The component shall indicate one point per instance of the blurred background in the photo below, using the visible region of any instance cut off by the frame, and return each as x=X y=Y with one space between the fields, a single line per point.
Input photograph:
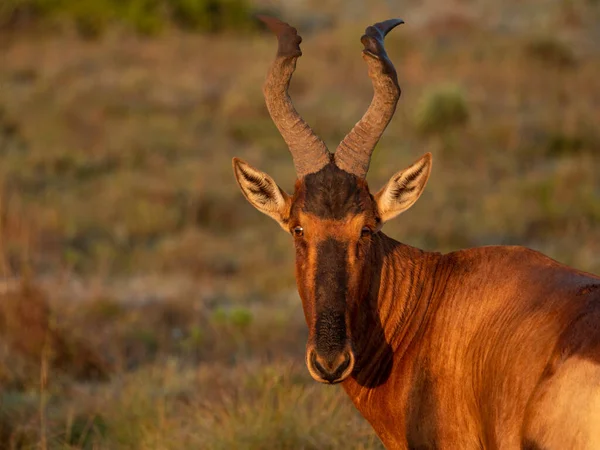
x=144 y=304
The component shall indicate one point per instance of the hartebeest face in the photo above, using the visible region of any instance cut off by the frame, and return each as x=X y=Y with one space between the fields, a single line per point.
x=332 y=216
x=333 y=219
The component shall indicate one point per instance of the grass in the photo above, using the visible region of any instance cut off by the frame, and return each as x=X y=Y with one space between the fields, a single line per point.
x=177 y=378
x=165 y=305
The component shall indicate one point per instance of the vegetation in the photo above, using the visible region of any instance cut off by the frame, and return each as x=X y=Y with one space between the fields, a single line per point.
x=92 y=17
x=145 y=305
x=551 y=52
x=441 y=108
x=160 y=379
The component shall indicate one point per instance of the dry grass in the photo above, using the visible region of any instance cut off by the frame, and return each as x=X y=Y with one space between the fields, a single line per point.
x=31 y=338
x=180 y=378
x=163 y=306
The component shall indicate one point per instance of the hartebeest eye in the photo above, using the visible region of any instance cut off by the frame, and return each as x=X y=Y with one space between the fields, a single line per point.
x=365 y=232
x=298 y=231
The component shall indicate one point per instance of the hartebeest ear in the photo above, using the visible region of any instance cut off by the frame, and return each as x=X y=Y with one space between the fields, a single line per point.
x=403 y=189
x=262 y=192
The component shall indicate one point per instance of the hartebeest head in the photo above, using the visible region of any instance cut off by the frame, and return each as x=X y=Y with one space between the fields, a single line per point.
x=332 y=215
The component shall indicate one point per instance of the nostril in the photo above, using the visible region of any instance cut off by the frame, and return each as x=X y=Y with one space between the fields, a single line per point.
x=344 y=364
x=314 y=360
x=320 y=369
x=330 y=368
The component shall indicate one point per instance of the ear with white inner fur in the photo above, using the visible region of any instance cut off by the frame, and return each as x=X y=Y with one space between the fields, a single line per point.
x=262 y=192
x=403 y=189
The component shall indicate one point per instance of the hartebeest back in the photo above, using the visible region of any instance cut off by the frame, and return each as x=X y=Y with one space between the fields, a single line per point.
x=493 y=347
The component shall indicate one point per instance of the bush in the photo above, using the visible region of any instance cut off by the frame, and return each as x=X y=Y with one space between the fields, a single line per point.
x=441 y=108
x=238 y=317
x=561 y=144
x=148 y=17
x=144 y=16
x=210 y=15
x=91 y=18
x=550 y=52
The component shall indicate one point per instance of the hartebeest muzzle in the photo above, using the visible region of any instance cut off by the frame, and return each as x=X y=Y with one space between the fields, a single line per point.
x=329 y=353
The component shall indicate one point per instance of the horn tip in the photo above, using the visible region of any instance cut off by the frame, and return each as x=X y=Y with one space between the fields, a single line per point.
x=268 y=20
x=277 y=26
x=381 y=29
x=287 y=36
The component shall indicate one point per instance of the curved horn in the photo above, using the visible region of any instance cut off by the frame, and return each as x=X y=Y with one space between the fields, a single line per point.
x=308 y=151
x=354 y=152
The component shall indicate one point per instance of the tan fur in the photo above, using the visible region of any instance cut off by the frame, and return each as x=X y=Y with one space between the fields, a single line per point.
x=317 y=229
x=565 y=409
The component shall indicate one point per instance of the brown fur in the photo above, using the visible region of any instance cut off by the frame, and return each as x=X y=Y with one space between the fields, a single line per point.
x=487 y=356
x=486 y=348
x=492 y=347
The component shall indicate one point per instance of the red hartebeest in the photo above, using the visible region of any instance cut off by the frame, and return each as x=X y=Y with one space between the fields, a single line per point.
x=493 y=347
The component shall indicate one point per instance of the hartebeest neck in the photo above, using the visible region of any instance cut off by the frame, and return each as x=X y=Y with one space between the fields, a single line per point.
x=389 y=320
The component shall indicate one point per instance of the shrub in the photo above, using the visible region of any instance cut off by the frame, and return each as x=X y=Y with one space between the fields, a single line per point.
x=211 y=15
x=148 y=17
x=560 y=144
x=238 y=317
x=441 y=108
x=91 y=18
x=582 y=140
x=550 y=52
x=144 y=16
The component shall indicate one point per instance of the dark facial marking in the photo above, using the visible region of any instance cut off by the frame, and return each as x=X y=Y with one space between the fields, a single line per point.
x=331 y=282
x=330 y=332
x=332 y=193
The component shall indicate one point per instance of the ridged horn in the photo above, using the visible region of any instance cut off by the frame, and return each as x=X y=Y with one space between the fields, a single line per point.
x=354 y=152
x=308 y=151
